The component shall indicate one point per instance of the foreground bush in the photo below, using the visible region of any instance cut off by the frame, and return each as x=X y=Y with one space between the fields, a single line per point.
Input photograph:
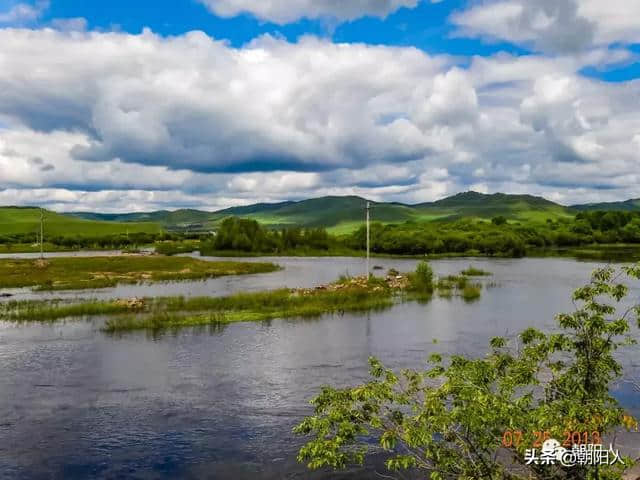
x=422 y=279
x=448 y=421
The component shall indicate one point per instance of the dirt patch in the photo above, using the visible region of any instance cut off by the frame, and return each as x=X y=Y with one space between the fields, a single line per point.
x=393 y=282
x=134 y=303
x=41 y=263
x=103 y=274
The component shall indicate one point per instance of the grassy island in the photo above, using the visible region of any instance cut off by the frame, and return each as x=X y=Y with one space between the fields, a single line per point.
x=97 y=272
x=348 y=294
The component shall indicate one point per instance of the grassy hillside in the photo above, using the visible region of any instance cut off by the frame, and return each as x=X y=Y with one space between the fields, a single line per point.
x=513 y=207
x=27 y=220
x=335 y=213
x=183 y=219
x=339 y=215
x=627 y=206
x=342 y=215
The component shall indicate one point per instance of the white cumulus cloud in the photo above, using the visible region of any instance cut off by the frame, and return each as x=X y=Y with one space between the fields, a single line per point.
x=553 y=25
x=287 y=11
x=138 y=122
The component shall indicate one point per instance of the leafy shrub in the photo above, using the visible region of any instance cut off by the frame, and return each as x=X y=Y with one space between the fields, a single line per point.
x=447 y=421
x=422 y=279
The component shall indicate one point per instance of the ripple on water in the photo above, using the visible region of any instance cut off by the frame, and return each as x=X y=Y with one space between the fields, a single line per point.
x=76 y=403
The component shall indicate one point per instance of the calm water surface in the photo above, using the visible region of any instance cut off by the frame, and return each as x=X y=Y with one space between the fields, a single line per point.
x=220 y=403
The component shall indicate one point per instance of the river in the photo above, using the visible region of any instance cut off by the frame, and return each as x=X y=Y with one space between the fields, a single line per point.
x=76 y=403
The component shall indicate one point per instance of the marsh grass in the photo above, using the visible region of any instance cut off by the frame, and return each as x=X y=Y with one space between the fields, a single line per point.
x=176 y=247
x=161 y=321
x=251 y=307
x=166 y=313
x=459 y=285
x=99 y=272
x=445 y=292
x=471 y=292
x=475 y=272
x=421 y=281
x=46 y=311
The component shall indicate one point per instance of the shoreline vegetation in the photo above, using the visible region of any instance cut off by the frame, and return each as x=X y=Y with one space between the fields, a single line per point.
x=65 y=273
x=347 y=294
x=603 y=252
x=600 y=235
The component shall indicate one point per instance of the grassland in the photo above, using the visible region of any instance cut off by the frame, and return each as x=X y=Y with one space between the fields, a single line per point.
x=16 y=220
x=98 y=272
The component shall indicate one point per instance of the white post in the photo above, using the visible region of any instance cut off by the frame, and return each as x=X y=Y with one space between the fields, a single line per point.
x=368 y=241
x=41 y=233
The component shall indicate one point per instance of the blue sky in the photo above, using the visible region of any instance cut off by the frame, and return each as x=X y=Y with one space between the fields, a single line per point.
x=425 y=26
x=120 y=106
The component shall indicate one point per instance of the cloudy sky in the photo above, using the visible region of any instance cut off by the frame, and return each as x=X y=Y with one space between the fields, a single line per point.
x=130 y=106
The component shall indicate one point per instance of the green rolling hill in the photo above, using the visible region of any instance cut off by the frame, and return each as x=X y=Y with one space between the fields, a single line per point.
x=27 y=220
x=513 y=207
x=183 y=219
x=345 y=214
x=338 y=214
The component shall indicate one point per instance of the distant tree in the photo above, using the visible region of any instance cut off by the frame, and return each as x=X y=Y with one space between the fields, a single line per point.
x=499 y=220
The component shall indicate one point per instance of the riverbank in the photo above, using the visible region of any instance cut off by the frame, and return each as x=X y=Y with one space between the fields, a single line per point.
x=603 y=252
x=63 y=273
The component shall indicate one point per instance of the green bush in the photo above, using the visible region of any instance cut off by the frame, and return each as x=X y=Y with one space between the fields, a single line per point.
x=422 y=279
x=447 y=421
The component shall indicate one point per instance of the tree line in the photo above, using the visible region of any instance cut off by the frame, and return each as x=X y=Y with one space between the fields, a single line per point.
x=498 y=237
x=244 y=235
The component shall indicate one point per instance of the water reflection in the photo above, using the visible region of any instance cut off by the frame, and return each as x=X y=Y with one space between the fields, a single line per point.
x=211 y=402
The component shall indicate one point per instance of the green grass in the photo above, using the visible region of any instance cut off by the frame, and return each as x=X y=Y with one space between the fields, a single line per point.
x=603 y=252
x=458 y=285
x=49 y=311
x=176 y=247
x=346 y=227
x=33 y=248
x=97 y=272
x=15 y=220
x=471 y=293
x=252 y=307
x=475 y=272
x=171 y=312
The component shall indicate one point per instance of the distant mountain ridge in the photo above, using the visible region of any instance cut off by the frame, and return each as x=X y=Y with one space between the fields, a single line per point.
x=341 y=214
x=627 y=205
x=493 y=199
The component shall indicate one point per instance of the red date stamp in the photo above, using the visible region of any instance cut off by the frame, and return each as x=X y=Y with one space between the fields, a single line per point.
x=514 y=438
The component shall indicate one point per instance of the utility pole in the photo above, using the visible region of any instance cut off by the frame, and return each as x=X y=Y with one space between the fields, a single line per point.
x=368 y=240
x=41 y=233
